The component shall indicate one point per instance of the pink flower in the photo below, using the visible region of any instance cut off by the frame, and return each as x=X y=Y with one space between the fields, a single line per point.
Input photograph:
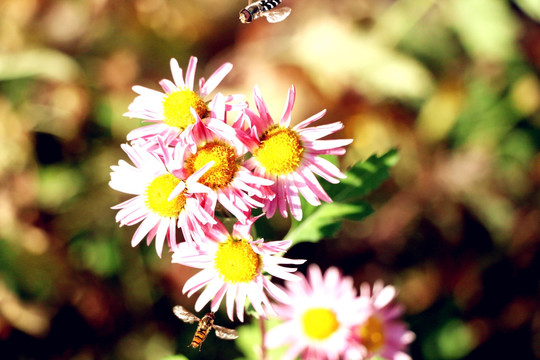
x=171 y=112
x=234 y=186
x=317 y=321
x=379 y=331
x=290 y=156
x=233 y=266
x=152 y=180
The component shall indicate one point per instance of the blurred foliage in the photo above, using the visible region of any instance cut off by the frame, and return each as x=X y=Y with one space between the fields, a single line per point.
x=453 y=85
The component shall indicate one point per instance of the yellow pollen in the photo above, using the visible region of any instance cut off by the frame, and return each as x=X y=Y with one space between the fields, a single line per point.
x=158 y=192
x=280 y=151
x=236 y=261
x=319 y=323
x=372 y=334
x=225 y=167
x=176 y=108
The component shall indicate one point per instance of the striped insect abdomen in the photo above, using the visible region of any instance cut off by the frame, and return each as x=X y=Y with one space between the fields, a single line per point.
x=269 y=4
x=204 y=327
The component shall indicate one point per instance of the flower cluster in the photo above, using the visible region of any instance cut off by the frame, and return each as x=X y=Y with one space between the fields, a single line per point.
x=191 y=164
x=326 y=319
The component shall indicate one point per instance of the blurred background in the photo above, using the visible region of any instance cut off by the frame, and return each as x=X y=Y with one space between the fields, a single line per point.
x=453 y=84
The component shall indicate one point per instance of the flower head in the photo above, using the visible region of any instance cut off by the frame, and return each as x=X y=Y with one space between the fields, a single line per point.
x=235 y=187
x=290 y=156
x=379 y=331
x=172 y=112
x=318 y=319
x=233 y=266
x=152 y=180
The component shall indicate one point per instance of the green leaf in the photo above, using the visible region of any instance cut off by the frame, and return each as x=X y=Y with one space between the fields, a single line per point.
x=364 y=177
x=327 y=220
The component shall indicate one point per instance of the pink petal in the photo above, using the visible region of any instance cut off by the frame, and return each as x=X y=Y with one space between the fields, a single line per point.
x=325 y=169
x=317 y=132
x=198 y=280
x=168 y=86
x=143 y=229
x=281 y=272
x=141 y=90
x=177 y=190
x=161 y=234
x=254 y=294
x=289 y=103
x=231 y=295
x=190 y=72
x=276 y=246
x=310 y=120
x=240 y=301
x=281 y=197
x=208 y=293
x=294 y=200
x=276 y=292
x=146 y=131
x=215 y=79
x=261 y=107
x=216 y=301
x=304 y=189
x=313 y=184
x=242 y=229
x=321 y=145
x=199 y=173
x=387 y=294
x=172 y=235
x=177 y=74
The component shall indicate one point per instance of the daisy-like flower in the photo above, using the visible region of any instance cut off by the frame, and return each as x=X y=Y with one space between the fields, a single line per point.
x=317 y=321
x=290 y=156
x=152 y=180
x=233 y=266
x=234 y=185
x=380 y=332
x=171 y=112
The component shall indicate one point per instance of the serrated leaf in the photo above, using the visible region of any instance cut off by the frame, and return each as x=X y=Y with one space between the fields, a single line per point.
x=364 y=177
x=326 y=220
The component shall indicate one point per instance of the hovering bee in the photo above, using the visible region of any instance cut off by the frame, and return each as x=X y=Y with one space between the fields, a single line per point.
x=264 y=8
x=205 y=325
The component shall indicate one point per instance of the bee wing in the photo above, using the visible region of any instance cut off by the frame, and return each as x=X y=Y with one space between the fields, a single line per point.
x=277 y=15
x=225 y=333
x=184 y=315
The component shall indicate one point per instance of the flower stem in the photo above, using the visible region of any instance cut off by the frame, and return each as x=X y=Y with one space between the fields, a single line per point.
x=263 y=331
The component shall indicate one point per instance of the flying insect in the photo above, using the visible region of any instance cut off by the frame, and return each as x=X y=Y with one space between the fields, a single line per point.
x=264 y=8
x=205 y=325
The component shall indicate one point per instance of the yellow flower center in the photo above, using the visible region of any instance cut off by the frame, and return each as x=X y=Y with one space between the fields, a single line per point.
x=236 y=261
x=176 y=108
x=319 y=323
x=280 y=151
x=372 y=334
x=222 y=173
x=158 y=192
